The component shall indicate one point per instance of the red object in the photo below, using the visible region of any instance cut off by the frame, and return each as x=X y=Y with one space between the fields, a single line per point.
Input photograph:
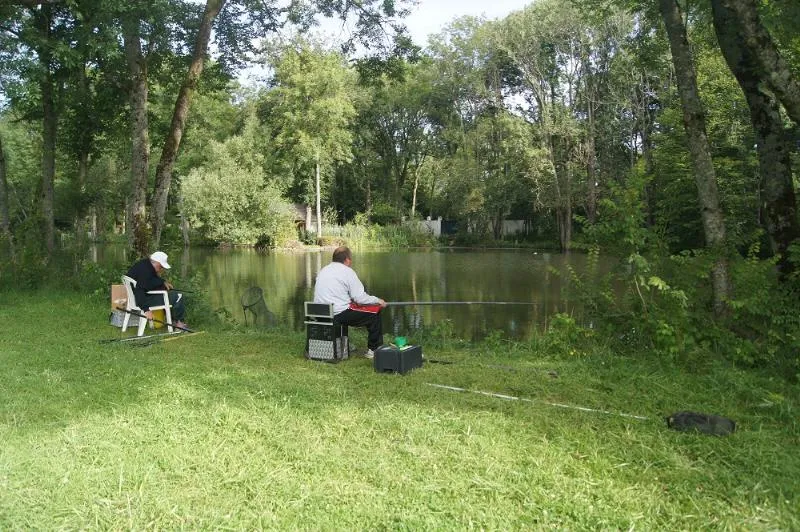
x=372 y=309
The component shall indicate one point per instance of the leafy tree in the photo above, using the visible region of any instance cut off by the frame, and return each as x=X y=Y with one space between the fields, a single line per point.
x=398 y=119
x=38 y=28
x=545 y=41
x=766 y=80
x=229 y=198
x=172 y=142
x=511 y=164
x=311 y=111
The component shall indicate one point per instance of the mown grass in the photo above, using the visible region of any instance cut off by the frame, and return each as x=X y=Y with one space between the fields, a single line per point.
x=235 y=430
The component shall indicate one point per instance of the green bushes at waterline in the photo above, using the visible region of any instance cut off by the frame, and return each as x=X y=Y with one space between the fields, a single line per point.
x=359 y=235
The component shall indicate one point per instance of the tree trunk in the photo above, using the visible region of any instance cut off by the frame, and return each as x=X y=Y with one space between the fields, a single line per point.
x=771 y=66
x=773 y=142
x=414 y=194
x=173 y=141
x=591 y=169
x=81 y=221
x=694 y=122
x=5 y=219
x=565 y=226
x=368 y=197
x=49 y=124
x=649 y=190
x=93 y=223
x=43 y=18
x=84 y=148
x=184 y=222
x=138 y=237
x=319 y=203
x=430 y=197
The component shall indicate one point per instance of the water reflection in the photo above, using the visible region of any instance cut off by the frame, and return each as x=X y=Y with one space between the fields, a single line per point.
x=287 y=280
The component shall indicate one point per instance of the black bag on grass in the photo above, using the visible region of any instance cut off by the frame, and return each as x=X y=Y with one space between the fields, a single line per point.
x=703 y=423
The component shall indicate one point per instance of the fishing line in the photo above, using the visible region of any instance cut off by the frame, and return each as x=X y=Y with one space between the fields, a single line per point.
x=515 y=398
x=411 y=303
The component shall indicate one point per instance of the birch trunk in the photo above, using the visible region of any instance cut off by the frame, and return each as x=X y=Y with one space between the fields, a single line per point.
x=694 y=122
x=414 y=194
x=319 y=203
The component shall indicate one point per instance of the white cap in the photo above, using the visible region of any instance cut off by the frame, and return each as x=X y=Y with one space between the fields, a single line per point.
x=161 y=258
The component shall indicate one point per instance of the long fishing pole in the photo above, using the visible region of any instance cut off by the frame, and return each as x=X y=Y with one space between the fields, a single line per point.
x=132 y=338
x=410 y=303
x=151 y=338
x=155 y=320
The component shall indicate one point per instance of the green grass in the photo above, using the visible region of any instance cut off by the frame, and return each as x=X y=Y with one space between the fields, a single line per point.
x=235 y=430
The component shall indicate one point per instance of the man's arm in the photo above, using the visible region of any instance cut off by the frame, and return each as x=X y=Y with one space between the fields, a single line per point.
x=358 y=294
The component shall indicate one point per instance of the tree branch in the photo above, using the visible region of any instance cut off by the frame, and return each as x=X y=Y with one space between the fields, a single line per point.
x=772 y=65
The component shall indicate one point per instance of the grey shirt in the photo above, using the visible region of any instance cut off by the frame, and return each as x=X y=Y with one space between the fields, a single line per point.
x=339 y=284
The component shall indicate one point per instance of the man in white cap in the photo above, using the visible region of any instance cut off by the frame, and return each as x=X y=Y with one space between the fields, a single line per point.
x=146 y=274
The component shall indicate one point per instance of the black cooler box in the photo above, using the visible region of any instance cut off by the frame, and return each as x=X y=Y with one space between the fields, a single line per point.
x=397 y=360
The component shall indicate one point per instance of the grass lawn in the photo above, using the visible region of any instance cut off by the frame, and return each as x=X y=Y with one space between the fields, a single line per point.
x=235 y=430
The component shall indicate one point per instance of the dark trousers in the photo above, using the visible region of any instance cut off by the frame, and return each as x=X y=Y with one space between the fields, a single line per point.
x=372 y=321
x=178 y=310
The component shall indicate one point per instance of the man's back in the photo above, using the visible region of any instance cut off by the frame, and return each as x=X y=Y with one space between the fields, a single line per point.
x=334 y=285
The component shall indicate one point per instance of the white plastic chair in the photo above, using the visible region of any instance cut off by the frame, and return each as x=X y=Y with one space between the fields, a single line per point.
x=131 y=306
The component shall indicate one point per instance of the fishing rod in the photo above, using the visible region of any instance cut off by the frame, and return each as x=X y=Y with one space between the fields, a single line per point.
x=132 y=313
x=151 y=338
x=132 y=338
x=410 y=303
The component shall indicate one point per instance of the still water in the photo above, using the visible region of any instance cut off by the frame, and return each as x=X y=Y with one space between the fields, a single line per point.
x=287 y=280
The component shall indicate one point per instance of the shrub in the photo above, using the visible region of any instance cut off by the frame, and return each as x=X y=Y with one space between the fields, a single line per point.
x=233 y=204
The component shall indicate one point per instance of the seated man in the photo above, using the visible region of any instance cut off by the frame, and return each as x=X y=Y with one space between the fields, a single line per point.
x=338 y=284
x=146 y=274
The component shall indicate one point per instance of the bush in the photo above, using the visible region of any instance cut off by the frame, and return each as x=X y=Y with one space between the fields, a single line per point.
x=384 y=214
x=231 y=204
x=364 y=235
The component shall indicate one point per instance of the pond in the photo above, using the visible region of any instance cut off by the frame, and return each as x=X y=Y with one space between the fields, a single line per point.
x=287 y=279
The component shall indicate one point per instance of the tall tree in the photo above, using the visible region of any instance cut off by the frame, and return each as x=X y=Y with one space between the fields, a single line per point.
x=43 y=20
x=694 y=122
x=762 y=75
x=5 y=221
x=398 y=116
x=138 y=233
x=767 y=60
x=544 y=41
x=312 y=108
x=172 y=143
